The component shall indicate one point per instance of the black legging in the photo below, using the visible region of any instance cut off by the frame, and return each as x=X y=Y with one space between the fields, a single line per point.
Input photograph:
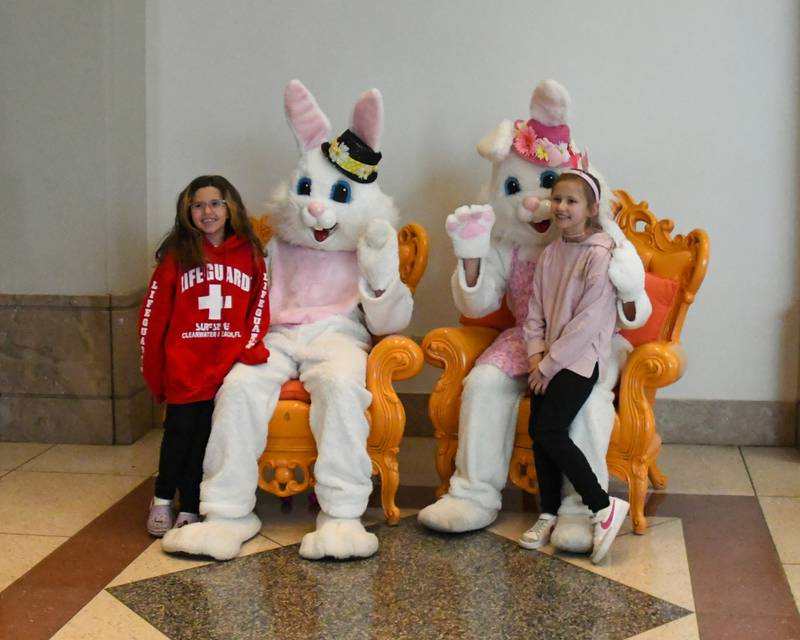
x=180 y=466
x=554 y=452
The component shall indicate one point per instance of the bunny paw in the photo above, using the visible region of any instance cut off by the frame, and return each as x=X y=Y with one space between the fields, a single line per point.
x=378 y=255
x=469 y=228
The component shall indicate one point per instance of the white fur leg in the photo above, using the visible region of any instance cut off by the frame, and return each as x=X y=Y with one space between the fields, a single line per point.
x=489 y=406
x=339 y=538
x=456 y=515
x=220 y=538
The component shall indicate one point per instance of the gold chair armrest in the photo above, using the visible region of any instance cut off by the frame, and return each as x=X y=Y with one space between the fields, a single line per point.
x=393 y=358
x=455 y=350
x=649 y=367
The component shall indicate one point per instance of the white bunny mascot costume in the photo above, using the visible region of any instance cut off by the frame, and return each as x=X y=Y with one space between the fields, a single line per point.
x=505 y=238
x=333 y=264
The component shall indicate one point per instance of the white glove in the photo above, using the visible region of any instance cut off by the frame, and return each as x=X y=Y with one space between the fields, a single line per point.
x=378 y=255
x=470 y=229
x=626 y=272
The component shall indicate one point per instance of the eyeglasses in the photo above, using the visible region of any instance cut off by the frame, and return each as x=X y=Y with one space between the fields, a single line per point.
x=199 y=207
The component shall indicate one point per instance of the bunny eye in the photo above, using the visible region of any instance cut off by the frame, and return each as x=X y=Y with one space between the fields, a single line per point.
x=340 y=191
x=547 y=179
x=304 y=186
x=512 y=186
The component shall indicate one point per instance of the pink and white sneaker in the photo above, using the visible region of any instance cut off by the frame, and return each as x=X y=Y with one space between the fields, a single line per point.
x=607 y=523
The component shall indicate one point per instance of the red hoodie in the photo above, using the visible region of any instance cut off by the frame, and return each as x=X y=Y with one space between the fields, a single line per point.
x=194 y=325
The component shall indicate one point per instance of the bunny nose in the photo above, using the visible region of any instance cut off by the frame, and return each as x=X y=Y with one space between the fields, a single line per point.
x=531 y=203
x=316 y=208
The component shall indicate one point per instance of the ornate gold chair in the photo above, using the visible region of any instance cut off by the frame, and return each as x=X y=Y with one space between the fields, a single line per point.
x=658 y=362
x=285 y=466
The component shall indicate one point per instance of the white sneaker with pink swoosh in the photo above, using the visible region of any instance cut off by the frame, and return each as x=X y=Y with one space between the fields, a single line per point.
x=607 y=523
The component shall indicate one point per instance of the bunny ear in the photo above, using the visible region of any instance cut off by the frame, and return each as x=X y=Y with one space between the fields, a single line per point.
x=550 y=103
x=496 y=145
x=585 y=160
x=309 y=125
x=368 y=118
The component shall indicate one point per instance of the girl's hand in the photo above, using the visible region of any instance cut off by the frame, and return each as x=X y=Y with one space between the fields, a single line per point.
x=537 y=382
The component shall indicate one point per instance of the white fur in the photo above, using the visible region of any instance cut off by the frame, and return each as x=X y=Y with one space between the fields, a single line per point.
x=338 y=538
x=219 y=538
x=497 y=143
x=483 y=454
x=627 y=272
x=292 y=222
x=329 y=356
x=550 y=103
x=378 y=255
x=456 y=515
x=478 y=216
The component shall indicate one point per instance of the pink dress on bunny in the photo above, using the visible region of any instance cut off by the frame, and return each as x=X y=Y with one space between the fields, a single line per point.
x=508 y=352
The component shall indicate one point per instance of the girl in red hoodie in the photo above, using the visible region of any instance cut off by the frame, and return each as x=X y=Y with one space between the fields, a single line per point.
x=206 y=308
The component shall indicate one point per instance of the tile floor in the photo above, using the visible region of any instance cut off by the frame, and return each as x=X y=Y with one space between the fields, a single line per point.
x=49 y=493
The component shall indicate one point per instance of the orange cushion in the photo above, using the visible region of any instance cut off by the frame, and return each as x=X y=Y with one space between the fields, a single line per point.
x=661 y=292
x=294 y=390
x=501 y=319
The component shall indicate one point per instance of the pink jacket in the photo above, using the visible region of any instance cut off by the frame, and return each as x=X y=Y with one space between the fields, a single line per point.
x=572 y=311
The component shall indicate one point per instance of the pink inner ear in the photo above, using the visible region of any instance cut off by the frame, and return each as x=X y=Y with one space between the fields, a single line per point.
x=311 y=127
x=368 y=118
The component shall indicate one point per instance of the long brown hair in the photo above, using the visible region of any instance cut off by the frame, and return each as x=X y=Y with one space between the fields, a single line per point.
x=186 y=240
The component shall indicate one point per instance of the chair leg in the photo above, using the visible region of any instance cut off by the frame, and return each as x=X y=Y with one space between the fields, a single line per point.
x=657 y=477
x=390 y=481
x=445 y=463
x=637 y=492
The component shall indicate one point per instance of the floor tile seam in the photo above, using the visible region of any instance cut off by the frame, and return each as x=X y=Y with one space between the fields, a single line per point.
x=87 y=473
x=35 y=535
x=22 y=464
x=261 y=535
x=665 y=492
x=68 y=536
x=747 y=470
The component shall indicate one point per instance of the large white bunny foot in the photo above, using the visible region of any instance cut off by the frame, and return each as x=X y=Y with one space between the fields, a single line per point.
x=470 y=229
x=456 y=515
x=339 y=538
x=378 y=255
x=573 y=533
x=220 y=538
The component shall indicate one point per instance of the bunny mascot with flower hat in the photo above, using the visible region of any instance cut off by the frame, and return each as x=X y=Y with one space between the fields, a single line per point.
x=333 y=263
x=497 y=245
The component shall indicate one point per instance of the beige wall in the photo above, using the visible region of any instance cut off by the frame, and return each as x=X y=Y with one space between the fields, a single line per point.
x=72 y=147
x=690 y=105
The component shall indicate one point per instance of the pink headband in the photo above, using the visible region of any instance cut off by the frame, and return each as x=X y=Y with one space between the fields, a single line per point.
x=587 y=177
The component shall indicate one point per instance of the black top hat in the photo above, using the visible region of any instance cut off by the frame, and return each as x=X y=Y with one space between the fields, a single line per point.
x=353 y=157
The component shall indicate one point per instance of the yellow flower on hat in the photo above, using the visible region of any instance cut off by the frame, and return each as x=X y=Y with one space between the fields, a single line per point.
x=541 y=152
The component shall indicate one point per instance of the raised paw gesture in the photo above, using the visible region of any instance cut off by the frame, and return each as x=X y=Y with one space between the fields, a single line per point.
x=378 y=255
x=470 y=229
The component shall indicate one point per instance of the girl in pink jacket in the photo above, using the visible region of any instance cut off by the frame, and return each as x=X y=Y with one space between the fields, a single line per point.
x=571 y=318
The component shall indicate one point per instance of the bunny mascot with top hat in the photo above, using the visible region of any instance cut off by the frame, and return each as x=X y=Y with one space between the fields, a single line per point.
x=333 y=265
x=503 y=239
